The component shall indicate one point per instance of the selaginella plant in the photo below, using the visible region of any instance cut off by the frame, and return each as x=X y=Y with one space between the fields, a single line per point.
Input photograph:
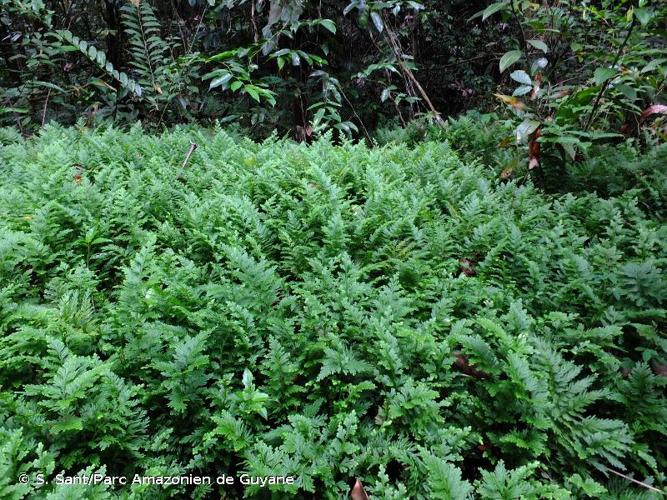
x=394 y=315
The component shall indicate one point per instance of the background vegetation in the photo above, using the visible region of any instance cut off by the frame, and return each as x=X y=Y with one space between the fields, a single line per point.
x=299 y=66
x=570 y=75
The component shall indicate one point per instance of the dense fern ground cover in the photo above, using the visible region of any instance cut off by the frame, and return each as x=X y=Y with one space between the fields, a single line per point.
x=322 y=312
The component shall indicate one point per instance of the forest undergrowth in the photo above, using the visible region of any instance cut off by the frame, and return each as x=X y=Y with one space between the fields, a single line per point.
x=397 y=315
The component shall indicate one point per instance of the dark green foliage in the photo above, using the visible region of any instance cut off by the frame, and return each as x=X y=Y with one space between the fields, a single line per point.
x=608 y=170
x=394 y=314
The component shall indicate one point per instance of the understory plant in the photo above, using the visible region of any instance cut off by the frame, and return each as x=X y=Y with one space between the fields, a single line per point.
x=394 y=315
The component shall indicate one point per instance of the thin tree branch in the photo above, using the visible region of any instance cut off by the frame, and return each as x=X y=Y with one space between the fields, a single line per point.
x=46 y=103
x=191 y=150
x=355 y=114
x=524 y=45
x=408 y=73
x=591 y=115
x=647 y=486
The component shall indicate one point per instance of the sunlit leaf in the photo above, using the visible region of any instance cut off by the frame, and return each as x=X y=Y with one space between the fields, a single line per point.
x=221 y=81
x=511 y=101
x=377 y=21
x=522 y=90
x=526 y=128
x=601 y=75
x=539 y=45
x=509 y=58
x=521 y=76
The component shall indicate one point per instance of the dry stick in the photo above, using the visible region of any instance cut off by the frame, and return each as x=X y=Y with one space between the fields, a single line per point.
x=46 y=103
x=191 y=150
x=524 y=46
x=648 y=486
x=358 y=117
x=606 y=83
x=408 y=86
x=194 y=37
x=398 y=53
x=408 y=72
x=254 y=23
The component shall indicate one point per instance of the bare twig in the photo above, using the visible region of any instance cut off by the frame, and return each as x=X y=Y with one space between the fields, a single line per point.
x=196 y=33
x=591 y=115
x=354 y=111
x=46 y=103
x=254 y=22
x=407 y=72
x=524 y=45
x=191 y=150
x=193 y=146
x=647 y=486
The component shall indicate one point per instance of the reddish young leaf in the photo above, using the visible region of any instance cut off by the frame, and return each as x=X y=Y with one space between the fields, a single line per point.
x=653 y=110
x=358 y=492
x=464 y=365
x=466 y=267
x=536 y=88
x=534 y=150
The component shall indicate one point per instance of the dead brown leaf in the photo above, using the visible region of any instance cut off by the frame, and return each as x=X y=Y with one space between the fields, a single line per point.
x=358 y=492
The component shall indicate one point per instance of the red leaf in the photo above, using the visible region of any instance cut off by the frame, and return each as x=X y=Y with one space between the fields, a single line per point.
x=358 y=492
x=659 y=369
x=534 y=150
x=462 y=363
x=538 y=83
x=653 y=110
x=466 y=267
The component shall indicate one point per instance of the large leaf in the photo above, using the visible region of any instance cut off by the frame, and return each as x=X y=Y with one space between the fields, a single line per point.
x=492 y=9
x=539 y=45
x=627 y=91
x=644 y=15
x=653 y=110
x=252 y=92
x=521 y=76
x=221 y=81
x=509 y=58
x=329 y=24
x=522 y=90
x=526 y=128
x=601 y=75
x=354 y=4
x=653 y=65
x=377 y=21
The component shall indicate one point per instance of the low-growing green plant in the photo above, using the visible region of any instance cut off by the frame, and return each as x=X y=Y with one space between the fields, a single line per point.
x=392 y=314
x=605 y=169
